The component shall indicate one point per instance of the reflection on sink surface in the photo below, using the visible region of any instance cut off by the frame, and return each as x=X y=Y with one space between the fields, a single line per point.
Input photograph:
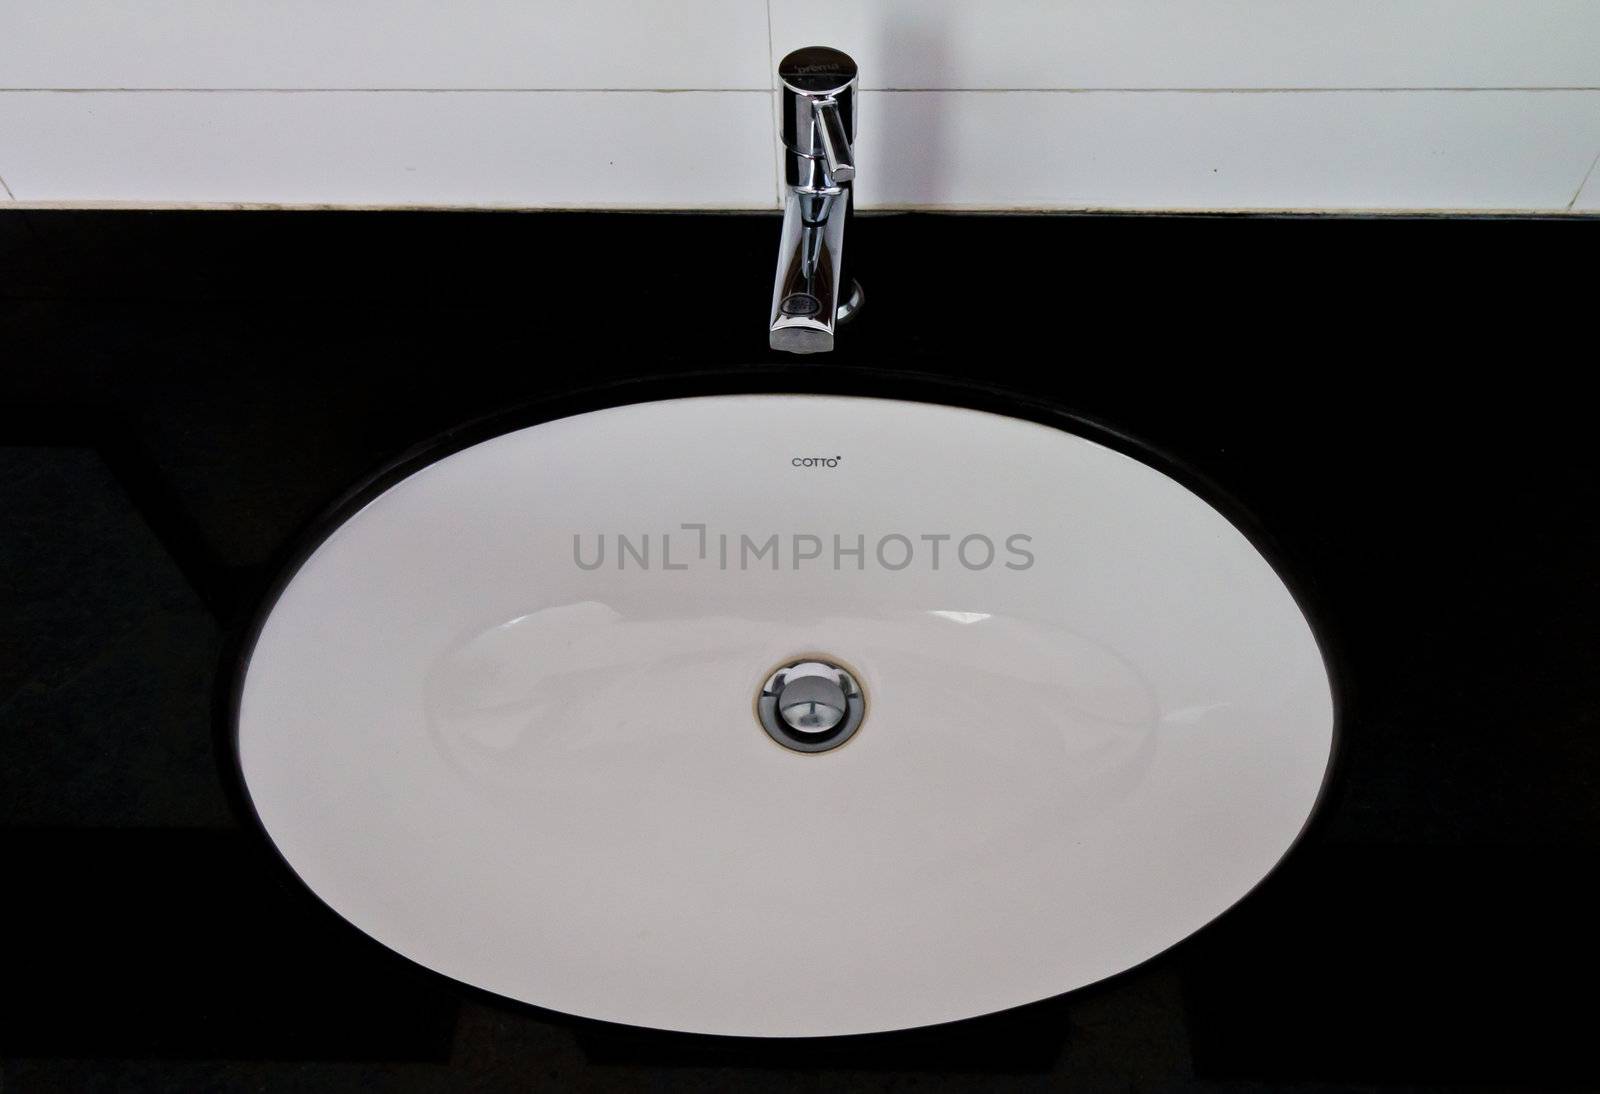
x=570 y=677
x=503 y=718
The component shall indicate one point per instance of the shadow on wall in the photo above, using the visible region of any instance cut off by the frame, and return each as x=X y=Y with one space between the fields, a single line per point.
x=906 y=161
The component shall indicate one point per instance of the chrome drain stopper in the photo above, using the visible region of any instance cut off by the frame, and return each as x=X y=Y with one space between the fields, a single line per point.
x=811 y=705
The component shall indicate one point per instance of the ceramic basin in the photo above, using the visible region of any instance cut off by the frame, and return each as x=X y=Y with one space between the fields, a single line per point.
x=503 y=717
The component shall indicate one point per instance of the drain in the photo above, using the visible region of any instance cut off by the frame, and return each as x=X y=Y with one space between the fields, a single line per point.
x=811 y=705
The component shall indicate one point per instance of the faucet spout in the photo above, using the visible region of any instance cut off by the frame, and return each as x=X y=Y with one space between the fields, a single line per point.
x=805 y=294
x=819 y=131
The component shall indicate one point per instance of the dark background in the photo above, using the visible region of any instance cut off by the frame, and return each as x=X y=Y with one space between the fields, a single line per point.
x=1404 y=406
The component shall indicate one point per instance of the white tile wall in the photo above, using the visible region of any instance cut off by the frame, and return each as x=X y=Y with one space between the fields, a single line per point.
x=1482 y=150
x=564 y=44
x=1194 y=104
x=546 y=149
x=1204 y=43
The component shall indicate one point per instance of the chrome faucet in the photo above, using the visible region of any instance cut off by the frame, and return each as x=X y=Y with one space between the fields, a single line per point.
x=818 y=116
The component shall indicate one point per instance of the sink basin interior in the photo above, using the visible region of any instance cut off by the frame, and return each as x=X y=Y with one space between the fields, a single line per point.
x=502 y=718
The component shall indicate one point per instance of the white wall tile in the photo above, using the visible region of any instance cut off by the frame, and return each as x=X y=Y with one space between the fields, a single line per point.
x=1203 y=43
x=386 y=141
x=570 y=44
x=1226 y=150
x=1520 y=150
x=523 y=149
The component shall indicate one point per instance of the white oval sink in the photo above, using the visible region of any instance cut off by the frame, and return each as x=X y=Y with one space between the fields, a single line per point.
x=1093 y=723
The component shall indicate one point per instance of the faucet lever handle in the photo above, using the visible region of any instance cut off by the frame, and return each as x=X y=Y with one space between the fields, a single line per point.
x=836 y=150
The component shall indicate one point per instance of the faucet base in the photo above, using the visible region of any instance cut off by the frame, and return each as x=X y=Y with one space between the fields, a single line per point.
x=851 y=304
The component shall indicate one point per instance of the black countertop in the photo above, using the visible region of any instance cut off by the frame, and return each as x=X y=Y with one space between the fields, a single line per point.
x=1401 y=405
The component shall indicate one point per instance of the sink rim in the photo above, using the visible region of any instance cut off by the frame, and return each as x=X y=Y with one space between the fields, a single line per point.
x=851 y=382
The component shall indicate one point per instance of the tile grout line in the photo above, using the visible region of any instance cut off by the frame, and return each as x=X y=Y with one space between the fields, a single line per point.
x=1409 y=89
x=1584 y=182
x=382 y=90
x=777 y=122
x=769 y=89
x=1368 y=212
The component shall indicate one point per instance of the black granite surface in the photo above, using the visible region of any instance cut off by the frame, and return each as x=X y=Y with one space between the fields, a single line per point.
x=1401 y=405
